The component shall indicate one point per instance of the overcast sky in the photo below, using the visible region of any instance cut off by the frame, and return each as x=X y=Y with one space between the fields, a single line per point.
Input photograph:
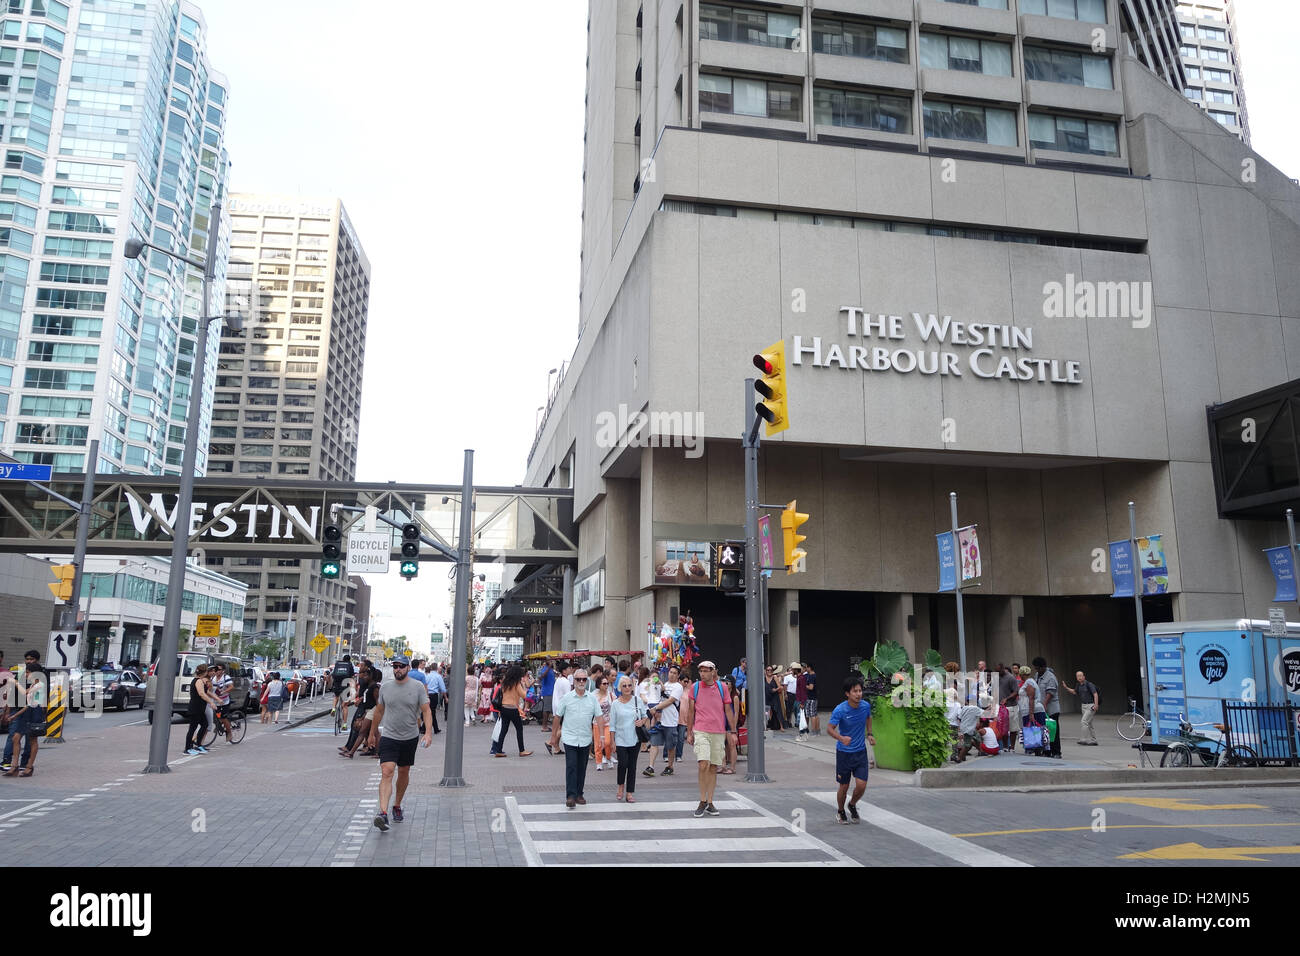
x=453 y=135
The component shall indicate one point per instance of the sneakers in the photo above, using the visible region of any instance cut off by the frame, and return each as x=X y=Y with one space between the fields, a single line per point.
x=648 y=772
x=668 y=771
x=5 y=766
x=398 y=816
x=600 y=766
x=189 y=753
x=201 y=750
x=381 y=821
x=853 y=813
x=711 y=810
x=842 y=817
x=699 y=811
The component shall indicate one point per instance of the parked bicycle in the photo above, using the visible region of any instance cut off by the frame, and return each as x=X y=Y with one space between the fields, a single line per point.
x=1208 y=748
x=218 y=729
x=1132 y=725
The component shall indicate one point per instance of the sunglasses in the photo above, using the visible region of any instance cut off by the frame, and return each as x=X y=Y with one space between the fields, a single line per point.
x=404 y=667
x=581 y=680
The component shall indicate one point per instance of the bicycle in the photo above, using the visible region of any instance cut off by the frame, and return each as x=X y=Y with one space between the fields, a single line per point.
x=1191 y=744
x=218 y=729
x=1132 y=725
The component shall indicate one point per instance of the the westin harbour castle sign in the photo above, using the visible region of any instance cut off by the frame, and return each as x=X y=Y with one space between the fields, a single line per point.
x=997 y=351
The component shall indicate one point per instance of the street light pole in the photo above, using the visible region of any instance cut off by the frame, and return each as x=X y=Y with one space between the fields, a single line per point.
x=160 y=732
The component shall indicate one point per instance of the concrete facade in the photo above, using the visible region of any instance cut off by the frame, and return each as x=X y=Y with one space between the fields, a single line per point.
x=738 y=240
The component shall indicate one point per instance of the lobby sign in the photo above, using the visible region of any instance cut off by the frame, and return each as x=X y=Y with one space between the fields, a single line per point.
x=1282 y=562
x=1155 y=572
x=1121 y=568
x=947 y=562
x=998 y=351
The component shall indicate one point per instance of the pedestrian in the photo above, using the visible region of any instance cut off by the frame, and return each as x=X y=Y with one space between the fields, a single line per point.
x=200 y=699
x=27 y=718
x=1030 y=704
x=367 y=697
x=1008 y=710
x=650 y=692
x=512 y=689
x=603 y=740
x=627 y=712
x=221 y=684
x=1089 y=701
x=667 y=730
x=471 y=694
x=546 y=689
x=740 y=674
x=563 y=684
x=437 y=690
x=576 y=714
x=486 y=689
x=710 y=716
x=810 y=697
x=276 y=692
x=395 y=730
x=733 y=739
x=772 y=698
x=1050 y=688
x=968 y=725
x=342 y=680
x=790 y=683
x=850 y=725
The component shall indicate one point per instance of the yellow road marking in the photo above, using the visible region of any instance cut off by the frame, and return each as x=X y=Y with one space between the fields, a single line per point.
x=1128 y=826
x=1174 y=803
x=1194 y=851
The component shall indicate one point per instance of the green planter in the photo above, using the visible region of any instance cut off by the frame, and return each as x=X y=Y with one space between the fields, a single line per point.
x=892 y=749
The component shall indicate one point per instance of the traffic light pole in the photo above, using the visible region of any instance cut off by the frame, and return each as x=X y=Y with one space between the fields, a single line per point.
x=454 y=754
x=79 y=554
x=757 y=769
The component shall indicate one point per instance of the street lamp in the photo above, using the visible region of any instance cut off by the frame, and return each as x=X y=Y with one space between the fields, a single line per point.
x=160 y=733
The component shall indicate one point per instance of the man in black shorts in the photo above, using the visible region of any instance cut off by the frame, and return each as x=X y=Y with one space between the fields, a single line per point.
x=403 y=704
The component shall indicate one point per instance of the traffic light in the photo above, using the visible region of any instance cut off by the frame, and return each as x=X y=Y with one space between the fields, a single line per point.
x=331 y=565
x=64 y=575
x=410 y=550
x=791 y=520
x=771 y=406
x=729 y=566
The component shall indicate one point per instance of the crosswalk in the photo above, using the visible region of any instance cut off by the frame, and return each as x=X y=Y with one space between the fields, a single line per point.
x=665 y=833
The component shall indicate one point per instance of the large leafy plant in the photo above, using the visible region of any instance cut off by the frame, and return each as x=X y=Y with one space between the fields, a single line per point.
x=929 y=735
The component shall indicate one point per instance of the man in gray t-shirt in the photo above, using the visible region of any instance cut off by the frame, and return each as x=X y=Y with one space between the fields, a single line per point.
x=403 y=703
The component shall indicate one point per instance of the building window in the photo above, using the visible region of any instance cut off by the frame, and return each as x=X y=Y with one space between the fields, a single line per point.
x=1223 y=119
x=1194 y=72
x=856 y=110
x=1062 y=66
x=991 y=4
x=1213 y=33
x=1192 y=92
x=1219 y=55
x=1220 y=96
x=846 y=38
x=742 y=97
x=941 y=52
x=1214 y=76
x=738 y=25
x=1088 y=11
x=1072 y=135
x=976 y=124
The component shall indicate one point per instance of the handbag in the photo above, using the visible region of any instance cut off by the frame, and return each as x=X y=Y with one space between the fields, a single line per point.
x=642 y=735
x=1033 y=737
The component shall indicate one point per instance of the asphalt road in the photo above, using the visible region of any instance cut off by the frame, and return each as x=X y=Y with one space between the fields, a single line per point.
x=283 y=796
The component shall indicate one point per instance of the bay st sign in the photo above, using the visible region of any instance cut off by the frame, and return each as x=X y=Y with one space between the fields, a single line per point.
x=135 y=515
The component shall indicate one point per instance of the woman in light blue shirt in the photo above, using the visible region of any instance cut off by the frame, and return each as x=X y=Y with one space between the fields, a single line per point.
x=626 y=713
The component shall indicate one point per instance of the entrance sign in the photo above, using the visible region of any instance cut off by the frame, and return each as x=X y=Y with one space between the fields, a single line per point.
x=369 y=552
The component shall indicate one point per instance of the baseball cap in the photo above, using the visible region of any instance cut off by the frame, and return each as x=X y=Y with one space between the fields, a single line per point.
x=402 y=659
x=707 y=664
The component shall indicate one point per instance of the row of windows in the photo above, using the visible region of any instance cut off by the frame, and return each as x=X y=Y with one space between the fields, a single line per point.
x=52 y=9
x=73 y=273
x=1205 y=33
x=260 y=415
x=261 y=468
x=262 y=434
x=1211 y=75
x=907 y=228
x=1210 y=96
x=132 y=588
x=260 y=451
x=893 y=114
x=1205 y=53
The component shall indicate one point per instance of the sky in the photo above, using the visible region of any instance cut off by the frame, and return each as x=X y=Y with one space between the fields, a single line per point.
x=457 y=151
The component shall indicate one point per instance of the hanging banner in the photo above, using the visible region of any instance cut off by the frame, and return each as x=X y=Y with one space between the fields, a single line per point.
x=1151 y=558
x=947 y=562
x=968 y=544
x=1282 y=561
x=1121 y=568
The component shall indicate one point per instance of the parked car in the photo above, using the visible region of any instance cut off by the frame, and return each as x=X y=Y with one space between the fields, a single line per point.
x=118 y=689
x=187 y=661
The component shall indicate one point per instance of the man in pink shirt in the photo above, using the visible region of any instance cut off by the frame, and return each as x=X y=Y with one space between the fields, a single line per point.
x=709 y=716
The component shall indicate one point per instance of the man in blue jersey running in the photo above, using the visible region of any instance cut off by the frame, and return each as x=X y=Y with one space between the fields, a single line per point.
x=850 y=725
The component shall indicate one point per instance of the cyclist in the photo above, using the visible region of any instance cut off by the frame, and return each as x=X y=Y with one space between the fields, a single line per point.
x=221 y=684
x=342 y=674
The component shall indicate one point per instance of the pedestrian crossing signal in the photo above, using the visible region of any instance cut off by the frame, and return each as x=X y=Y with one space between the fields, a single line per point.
x=729 y=566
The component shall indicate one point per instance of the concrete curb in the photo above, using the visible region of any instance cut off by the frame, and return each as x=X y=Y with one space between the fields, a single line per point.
x=302 y=720
x=1082 y=779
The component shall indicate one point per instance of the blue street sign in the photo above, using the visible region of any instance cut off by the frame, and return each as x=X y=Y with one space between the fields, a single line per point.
x=11 y=471
x=1121 y=568
x=1283 y=564
x=947 y=561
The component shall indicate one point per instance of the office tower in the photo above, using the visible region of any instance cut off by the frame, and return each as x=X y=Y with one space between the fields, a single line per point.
x=1212 y=62
x=287 y=397
x=113 y=129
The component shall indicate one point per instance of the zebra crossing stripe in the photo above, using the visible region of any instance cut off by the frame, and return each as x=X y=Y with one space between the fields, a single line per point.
x=623 y=826
x=513 y=809
x=671 y=806
x=691 y=845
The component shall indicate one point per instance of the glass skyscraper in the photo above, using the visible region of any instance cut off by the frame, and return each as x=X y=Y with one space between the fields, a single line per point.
x=112 y=122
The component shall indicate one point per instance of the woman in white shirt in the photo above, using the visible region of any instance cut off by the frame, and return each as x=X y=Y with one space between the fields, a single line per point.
x=626 y=713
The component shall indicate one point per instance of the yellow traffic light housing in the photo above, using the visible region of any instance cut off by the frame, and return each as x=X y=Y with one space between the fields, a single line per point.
x=771 y=389
x=791 y=520
x=64 y=575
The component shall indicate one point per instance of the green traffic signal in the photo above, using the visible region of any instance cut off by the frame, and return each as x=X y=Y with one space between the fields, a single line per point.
x=410 y=569
x=329 y=569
